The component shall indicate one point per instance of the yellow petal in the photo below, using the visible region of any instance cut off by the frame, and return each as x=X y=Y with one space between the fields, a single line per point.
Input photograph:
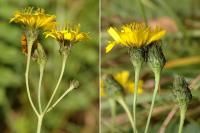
x=130 y=87
x=122 y=77
x=68 y=36
x=110 y=46
x=81 y=36
x=140 y=90
x=114 y=34
x=157 y=36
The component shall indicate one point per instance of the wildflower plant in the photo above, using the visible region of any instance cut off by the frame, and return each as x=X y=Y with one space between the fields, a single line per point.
x=142 y=43
x=156 y=61
x=35 y=21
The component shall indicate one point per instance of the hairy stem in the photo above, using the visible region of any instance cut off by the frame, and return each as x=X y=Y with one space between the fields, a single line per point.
x=182 y=119
x=58 y=83
x=121 y=101
x=60 y=98
x=157 y=81
x=137 y=75
x=39 y=87
x=30 y=44
x=113 y=113
x=39 y=124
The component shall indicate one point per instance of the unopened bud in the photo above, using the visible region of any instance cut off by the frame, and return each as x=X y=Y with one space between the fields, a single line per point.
x=40 y=55
x=111 y=87
x=137 y=56
x=181 y=91
x=155 y=57
x=74 y=83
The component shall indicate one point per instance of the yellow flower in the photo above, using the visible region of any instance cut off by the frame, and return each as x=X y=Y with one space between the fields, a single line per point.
x=34 y=19
x=68 y=34
x=134 y=35
x=124 y=79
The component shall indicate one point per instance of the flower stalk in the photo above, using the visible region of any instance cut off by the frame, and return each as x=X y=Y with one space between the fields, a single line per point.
x=39 y=87
x=74 y=84
x=156 y=61
x=58 y=83
x=137 y=75
x=121 y=101
x=182 y=118
x=157 y=80
x=137 y=59
x=113 y=113
x=30 y=44
x=39 y=124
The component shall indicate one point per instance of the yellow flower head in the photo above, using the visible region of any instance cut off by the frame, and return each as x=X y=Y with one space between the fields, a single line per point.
x=34 y=19
x=68 y=34
x=134 y=35
x=123 y=78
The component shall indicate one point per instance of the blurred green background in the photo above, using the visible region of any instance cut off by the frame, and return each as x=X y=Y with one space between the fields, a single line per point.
x=181 y=46
x=76 y=113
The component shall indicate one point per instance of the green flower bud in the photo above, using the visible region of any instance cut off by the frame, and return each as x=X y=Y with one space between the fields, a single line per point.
x=136 y=56
x=181 y=91
x=40 y=55
x=74 y=83
x=111 y=87
x=155 y=58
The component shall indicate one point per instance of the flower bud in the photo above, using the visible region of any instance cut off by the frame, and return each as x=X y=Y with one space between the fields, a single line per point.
x=40 y=55
x=181 y=91
x=136 y=56
x=111 y=87
x=74 y=83
x=155 y=58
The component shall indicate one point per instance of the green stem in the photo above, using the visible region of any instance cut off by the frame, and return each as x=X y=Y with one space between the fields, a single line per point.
x=137 y=75
x=182 y=119
x=61 y=97
x=121 y=101
x=30 y=44
x=113 y=113
x=157 y=81
x=142 y=11
x=58 y=83
x=39 y=124
x=39 y=87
